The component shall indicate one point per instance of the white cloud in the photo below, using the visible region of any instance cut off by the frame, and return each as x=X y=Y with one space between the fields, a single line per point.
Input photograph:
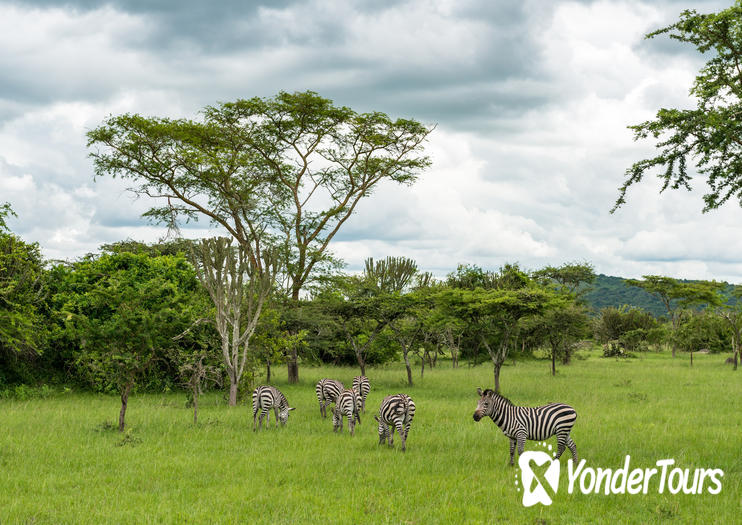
x=532 y=105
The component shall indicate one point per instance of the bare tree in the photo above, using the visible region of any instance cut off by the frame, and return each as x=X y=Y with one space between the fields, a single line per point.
x=238 y=287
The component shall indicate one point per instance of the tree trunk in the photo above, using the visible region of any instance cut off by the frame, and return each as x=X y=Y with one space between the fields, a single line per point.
x=293 y=366
x=195 y=406
x=691 y=358
x=363 y=368
x=497 y=377
x=736 y=355
x=124 y=402
x=409 y=369
x=232 y=392
x=422 y=367
x=267 y=370
x=553 y=361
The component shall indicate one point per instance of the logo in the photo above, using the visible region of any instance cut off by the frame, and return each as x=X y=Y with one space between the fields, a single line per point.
x=539 y=478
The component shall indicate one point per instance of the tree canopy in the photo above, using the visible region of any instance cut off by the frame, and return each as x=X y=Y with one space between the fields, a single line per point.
x=709 y=134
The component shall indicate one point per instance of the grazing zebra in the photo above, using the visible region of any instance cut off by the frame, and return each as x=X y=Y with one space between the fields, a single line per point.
x=327 y=391
x=263 y=399
x=397 y=412
x=348 y=404
x=362 y=385
x=535 y=423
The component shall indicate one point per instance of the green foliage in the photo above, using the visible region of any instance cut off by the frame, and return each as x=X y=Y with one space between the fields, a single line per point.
x=123 y=310
x=292 y=167
x=5 y=212
x=703 y=331
x=22 y=304
x=708 y=134
x=573 y=278
x=613 y=324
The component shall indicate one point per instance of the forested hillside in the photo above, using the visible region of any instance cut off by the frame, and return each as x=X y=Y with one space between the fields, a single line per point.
x=613 y=291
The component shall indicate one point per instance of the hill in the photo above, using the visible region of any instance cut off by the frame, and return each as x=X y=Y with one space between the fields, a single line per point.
x=613 y=291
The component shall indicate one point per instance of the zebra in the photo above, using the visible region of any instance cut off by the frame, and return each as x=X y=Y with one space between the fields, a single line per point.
x=362 y=385
x=534 y=423
x=396 y=411
x=327 y=392
x=348 y=404
x=263 y=399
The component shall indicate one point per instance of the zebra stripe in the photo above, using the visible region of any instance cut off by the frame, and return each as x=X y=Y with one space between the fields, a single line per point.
x=263 y=399
x=327 y=391
x=534 y=423
x=348 y=404
x=396 y=412
x=362 y=385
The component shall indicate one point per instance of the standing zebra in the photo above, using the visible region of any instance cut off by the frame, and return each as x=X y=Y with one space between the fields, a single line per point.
x=348 y=404
x=362 y=385
x=263 y=399
x=327 y=391
x=535 y=423
x=397 y=412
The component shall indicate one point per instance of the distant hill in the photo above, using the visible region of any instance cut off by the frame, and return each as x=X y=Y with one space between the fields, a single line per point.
x=612 y=291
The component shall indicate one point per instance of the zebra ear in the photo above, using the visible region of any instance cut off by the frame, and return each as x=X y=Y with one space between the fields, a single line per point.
x=376 y=418
x=292 y=408
x=479 y=391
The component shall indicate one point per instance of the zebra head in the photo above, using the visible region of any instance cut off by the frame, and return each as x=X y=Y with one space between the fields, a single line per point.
x=485 y=405
x=283 y=415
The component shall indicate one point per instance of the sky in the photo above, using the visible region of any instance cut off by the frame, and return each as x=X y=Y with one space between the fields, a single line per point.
x=530 y=101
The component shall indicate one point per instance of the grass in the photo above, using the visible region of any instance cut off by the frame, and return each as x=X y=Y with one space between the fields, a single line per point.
x=62 y=461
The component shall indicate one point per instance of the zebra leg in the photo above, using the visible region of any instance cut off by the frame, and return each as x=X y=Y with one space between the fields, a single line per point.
x=263 y=413
x=254 y=414
x=572 y=448
x=402 y=435
x=322 y=411
x=351 y=424
x=275 y=411
x=521 y=441
x=512 y=450
x=561 y=444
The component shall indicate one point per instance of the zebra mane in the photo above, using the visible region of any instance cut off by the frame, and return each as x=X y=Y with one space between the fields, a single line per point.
x=495 y=395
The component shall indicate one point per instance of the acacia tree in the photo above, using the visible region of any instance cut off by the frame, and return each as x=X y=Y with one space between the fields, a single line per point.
x=288 y=169
x=570 y=277
x=493 y=315
x=709 y=134
x=238 y=287
x=676 y=295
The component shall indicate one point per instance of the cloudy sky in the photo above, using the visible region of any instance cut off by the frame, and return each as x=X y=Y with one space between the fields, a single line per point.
x=531 y=99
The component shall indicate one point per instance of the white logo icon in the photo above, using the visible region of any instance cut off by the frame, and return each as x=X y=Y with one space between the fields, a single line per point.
x=540 y=477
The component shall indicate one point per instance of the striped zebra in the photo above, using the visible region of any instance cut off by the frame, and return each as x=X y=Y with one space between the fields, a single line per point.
x=362 y=385
x=534 y=423
x=348 y=404
x=327 y=391
x=397 y=412
x=263 y=399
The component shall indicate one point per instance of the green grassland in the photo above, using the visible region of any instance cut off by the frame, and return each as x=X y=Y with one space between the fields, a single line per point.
x=61 y=461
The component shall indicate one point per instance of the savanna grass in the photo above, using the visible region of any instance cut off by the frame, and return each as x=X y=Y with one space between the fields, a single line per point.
x=63 y=461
